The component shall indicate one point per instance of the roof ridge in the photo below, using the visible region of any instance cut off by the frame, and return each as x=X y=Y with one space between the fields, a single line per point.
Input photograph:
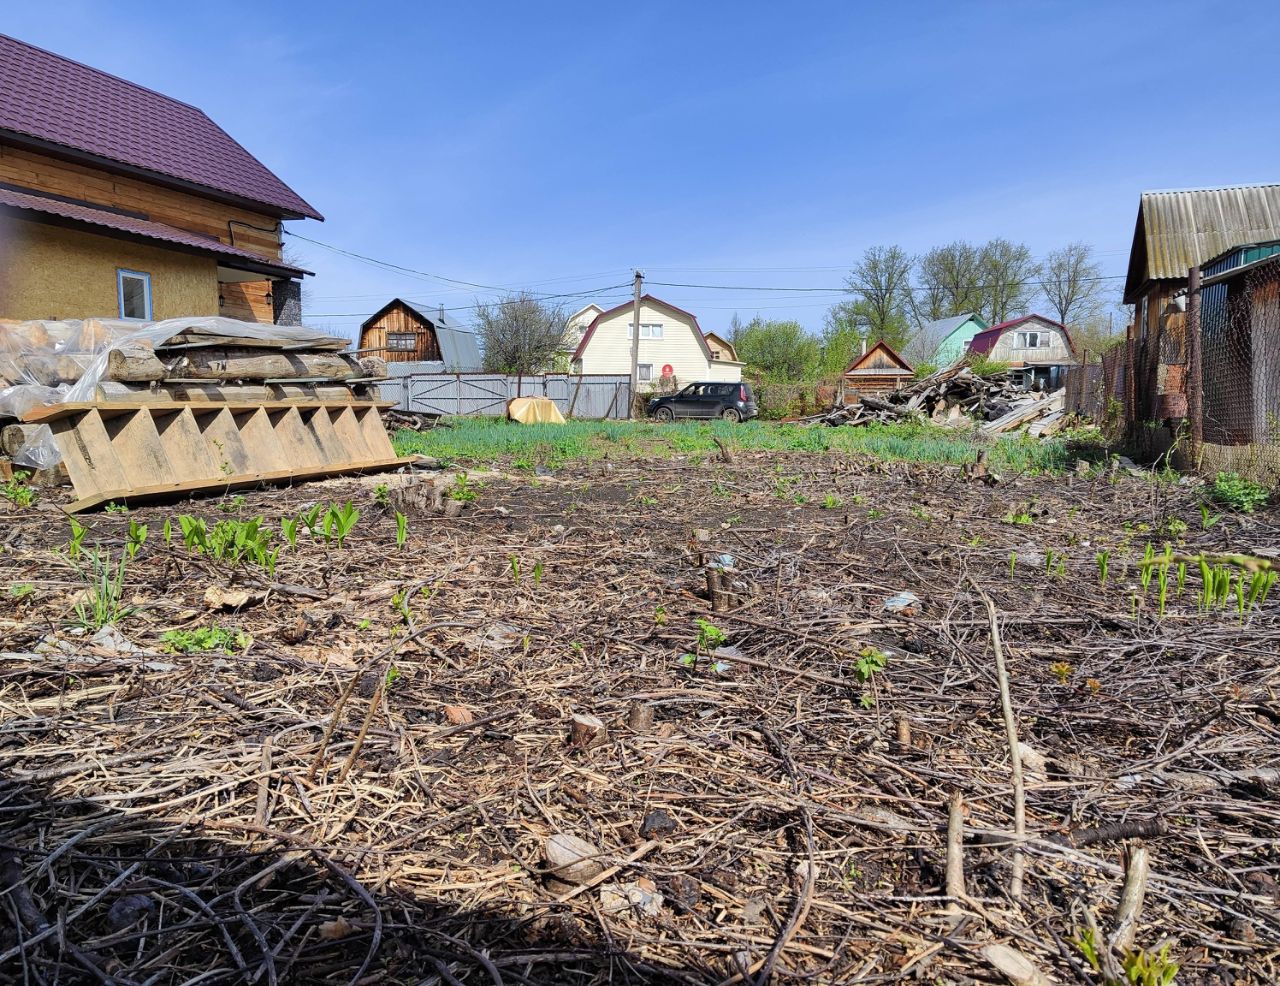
x=1212 y=188
x=110 y=75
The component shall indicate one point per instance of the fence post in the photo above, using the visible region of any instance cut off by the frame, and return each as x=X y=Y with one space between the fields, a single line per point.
x=1130 y=374
x=1195 y=368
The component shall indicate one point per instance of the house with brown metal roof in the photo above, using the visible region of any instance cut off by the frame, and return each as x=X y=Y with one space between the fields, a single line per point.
x=672 y=348
x=1037 y=348
x=118 y=201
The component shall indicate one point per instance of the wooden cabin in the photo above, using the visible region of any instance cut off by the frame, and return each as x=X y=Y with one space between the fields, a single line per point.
x=400 y=333
x=721 y=348
x=120 y=202
x=879 y=370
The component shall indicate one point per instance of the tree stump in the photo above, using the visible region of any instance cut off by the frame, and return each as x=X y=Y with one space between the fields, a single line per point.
x=587 y=731
x=640 y=717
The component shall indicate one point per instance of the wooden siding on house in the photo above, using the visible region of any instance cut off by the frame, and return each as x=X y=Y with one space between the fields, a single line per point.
x=249 y=301
x=877 y=371
x=399 y=320
x=42 y=173
x=1007 y=350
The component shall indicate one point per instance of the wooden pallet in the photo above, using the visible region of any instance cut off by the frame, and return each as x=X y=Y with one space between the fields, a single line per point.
x=129 y=452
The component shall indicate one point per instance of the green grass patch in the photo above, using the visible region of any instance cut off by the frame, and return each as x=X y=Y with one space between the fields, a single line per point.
x=493 y=440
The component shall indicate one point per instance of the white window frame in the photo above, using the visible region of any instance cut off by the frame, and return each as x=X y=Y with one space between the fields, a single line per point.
x=644 y=371
x=412 y=338
x=121 y=274
x=648 y=330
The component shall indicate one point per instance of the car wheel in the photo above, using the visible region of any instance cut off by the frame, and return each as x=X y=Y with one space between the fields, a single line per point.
x=664 y=414
x=730 y=414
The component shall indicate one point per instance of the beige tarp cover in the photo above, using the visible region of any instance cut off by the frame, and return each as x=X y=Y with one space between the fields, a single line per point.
x=534 y=410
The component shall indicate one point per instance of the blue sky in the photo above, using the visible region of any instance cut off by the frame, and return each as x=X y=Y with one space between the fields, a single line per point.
x=556 y=146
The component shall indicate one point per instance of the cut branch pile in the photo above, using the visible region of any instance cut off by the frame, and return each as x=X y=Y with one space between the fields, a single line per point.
x=952 y=396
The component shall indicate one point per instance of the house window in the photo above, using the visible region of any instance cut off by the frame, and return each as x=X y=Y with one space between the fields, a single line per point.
x=402 y=342
x=1033 y=340
x=647 y=331
x=133 y=290
x=644 y=370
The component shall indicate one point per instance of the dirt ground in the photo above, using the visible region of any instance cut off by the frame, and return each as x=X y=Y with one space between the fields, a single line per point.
x=360 y=787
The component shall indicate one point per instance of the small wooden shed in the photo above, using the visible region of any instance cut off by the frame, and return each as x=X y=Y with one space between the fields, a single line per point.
x=879 y=370
x=400 y=333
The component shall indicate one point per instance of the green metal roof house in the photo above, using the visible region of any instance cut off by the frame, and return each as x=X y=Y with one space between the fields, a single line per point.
x=956 y=333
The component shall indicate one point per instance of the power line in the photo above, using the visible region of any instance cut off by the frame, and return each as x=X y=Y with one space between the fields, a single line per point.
x=427 y=307
x=854 y=288
x=386 y=264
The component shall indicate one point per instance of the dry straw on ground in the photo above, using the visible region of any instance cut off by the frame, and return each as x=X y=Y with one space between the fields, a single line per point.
x=366 y=795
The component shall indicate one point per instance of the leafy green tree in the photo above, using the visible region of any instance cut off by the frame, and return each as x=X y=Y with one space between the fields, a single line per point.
x=842 y=335
x=880 y=286
x=780 y=351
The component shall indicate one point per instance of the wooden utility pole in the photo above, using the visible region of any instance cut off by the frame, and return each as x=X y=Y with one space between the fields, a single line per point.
x=635 y=346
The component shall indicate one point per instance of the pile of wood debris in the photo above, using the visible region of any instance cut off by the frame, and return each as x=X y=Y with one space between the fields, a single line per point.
x=958 y=395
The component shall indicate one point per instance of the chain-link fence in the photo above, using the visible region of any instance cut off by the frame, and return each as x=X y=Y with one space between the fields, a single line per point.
x=1216 y=406
x=1240 y=372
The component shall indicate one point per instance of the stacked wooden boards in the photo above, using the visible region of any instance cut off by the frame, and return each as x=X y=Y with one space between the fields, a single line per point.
x=210 y=409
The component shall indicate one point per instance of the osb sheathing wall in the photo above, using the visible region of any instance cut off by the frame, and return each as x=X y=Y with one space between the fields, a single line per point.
x=50 y=272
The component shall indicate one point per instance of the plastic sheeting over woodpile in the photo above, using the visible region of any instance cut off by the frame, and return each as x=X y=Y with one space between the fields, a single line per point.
x=534 y=410
x=143 y=410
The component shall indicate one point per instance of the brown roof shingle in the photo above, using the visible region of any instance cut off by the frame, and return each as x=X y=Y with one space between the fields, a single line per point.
x=53 y=99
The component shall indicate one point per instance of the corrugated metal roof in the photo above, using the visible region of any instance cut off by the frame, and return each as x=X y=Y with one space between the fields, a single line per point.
x=1176 y=230
x=943 y=327
x=459 y=349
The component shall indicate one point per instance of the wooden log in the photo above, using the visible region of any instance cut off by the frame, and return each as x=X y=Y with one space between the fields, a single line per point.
x=1129 y=913
x=373 y=366
x=587 y=731
x=134 y=364
x=49 y=371
x=249 y=364
x=201 y=338
x=13 y=437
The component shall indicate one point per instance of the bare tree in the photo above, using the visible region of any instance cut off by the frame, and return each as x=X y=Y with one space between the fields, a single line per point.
x=949 y=281
x=1072 y=283
x=520 y=333
x=1009 y=272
